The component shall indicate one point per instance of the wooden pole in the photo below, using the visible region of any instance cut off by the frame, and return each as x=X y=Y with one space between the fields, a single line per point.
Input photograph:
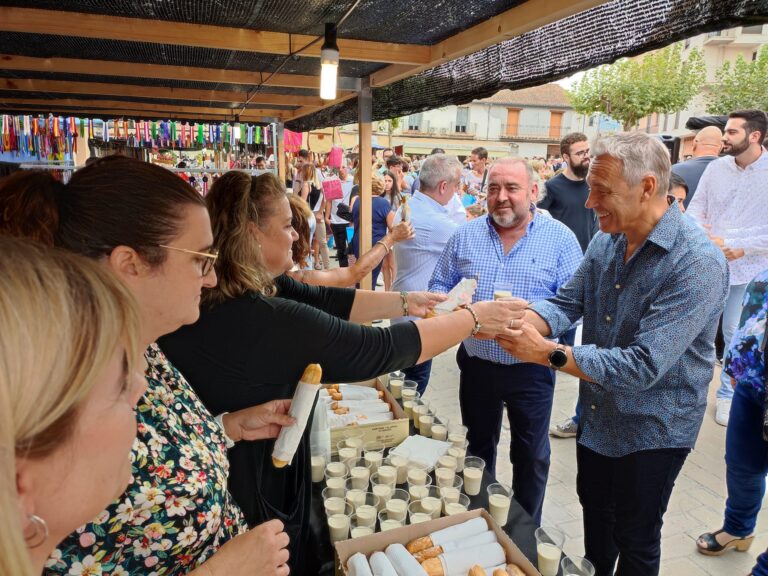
x=364 y=113
x=280 y=151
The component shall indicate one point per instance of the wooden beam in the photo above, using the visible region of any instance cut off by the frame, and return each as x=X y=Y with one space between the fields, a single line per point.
x=161 y=110
x=135 y=91
x=514 y=22
x=364 y=116
x=141 y=70
x=31 y=20
x=304 y=110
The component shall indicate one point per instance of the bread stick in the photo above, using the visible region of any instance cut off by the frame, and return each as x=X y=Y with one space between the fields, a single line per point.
x=477 y=570
x=301 y=407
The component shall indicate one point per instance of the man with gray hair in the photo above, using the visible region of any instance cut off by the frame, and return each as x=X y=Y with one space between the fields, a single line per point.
x=434 y=221
x=651 y=288
x=512 y=251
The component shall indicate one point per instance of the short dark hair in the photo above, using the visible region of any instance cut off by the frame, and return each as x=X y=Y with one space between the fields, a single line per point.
x=481 y=153
x=677 y=181
x=304 y=154
x=754 y=121
x=437 y=151
x=387 y=150
x=394 y=161
x=570 y=140
x=259 y=159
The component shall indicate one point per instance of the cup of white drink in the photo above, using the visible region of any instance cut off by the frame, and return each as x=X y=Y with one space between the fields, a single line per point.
x=499 y=500
x=338 y=524
x=318 y=467
x=390 y=521
x=399 y=463
x=549 y=548
x=373 y=453
x=460 y=505
x=576 y=566
x=418 y=513
x=473 y=474
x=439 y=431
x=396 y=381
x=397 y=505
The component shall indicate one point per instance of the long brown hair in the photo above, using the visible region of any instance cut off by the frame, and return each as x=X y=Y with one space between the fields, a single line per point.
x=300 y=218
x=237 y=202
x=115 y=201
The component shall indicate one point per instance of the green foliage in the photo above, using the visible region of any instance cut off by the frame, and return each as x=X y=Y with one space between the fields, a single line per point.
x=628 y=90
x=741 y=85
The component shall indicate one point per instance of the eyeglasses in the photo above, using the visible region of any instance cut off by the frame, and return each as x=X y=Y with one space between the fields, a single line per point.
x=581 y=153
x=672 y=199
x=208 y=259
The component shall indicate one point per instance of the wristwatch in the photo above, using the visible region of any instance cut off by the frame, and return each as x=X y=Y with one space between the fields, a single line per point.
x=558 y=358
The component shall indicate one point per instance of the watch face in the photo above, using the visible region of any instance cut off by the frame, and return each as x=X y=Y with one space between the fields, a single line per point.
x=558 y=358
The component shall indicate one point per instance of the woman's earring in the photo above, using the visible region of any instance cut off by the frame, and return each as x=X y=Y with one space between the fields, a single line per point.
x=41 y=531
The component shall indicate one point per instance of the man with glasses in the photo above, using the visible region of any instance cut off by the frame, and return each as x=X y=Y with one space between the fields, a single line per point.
x=564 y=198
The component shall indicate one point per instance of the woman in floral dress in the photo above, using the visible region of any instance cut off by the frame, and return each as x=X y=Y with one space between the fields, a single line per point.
x=177 y=516
x=746 y=448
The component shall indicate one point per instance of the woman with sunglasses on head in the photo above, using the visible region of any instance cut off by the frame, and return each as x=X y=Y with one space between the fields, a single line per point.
x=259 y=329
x=68 y=389
x=151 y=230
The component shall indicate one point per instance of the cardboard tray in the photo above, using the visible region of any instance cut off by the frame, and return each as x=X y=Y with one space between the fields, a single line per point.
x=379 y=541
x=390 y=433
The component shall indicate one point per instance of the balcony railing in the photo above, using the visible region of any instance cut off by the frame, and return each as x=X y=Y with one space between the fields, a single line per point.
x=531 y=132
x=450 y=131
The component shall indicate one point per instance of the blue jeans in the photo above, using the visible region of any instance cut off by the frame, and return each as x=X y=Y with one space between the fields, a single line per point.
x=731 y=316
x=419 y=374
x=746 y=460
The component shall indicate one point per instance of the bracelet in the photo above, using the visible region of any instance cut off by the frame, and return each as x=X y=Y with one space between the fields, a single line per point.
x=387 y=248
x=227 y=440
x=404 y=300
x=477 y=327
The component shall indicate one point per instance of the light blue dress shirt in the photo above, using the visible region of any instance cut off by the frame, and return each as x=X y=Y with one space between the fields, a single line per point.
x=536 y=266
x=649 y=332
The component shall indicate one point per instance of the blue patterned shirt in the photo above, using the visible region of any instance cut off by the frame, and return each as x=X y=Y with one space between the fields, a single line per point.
x=536 y=266
x=745 y=360
x=649 y=332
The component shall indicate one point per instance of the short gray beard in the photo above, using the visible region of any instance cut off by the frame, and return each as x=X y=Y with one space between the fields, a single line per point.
x=505 y=222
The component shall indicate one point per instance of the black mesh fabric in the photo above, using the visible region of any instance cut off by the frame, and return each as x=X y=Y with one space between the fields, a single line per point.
x=402 y=21
x=593 y=37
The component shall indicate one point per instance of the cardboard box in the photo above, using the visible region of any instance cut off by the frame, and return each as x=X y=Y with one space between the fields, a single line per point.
x=390 y=433
x=379 y=541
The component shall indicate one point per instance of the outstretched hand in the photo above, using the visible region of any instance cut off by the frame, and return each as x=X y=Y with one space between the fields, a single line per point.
x=422 y=303
x=259 y=422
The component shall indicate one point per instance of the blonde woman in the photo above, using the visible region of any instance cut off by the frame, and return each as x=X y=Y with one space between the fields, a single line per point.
x=68 y=388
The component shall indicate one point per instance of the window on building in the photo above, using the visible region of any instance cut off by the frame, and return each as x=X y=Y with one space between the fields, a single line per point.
x=415 y=121
x=513 y=121
x=462 y=119
x=757 y=29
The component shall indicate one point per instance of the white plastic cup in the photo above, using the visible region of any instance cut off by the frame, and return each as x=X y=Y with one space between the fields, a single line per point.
x=473 y=474
x=549 y=549
x=499 y=500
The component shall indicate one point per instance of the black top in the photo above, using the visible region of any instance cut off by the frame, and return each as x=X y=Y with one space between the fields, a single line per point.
x=565 y=201
x=253 y=349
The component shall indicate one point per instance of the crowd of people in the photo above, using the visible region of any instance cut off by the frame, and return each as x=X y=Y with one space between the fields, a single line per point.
x=153 y=338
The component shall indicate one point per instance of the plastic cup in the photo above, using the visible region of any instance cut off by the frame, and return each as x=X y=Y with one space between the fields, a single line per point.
x=419 y=410
x=354 y=496
x=444 y=476
x=386 y=474
x=399 y=463
x=499 y=500
x=335 y=470
x=473 y=474
x=408 y=407
x=431 y=501
x=338 y=524
x=390 y=521
x=425 y=424
x=439 y=431
x=418 y=513
x=397 y=505
x=447 y=461
x=396 y=381
x=335 y=486
x=384 y=492
x=502 y=291
x=460 y=505
x=359 y=473
x=373 y=453
x=576 y=566
x=353 y=440
x=459 y=454
x=409 y=390
x=318 y=468
x=417 y=474
x=369 y=509
x=549 y=548
x=334 y=505
x=457 y=434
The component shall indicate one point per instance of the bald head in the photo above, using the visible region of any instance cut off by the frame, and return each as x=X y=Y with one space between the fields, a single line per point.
x=708 y=142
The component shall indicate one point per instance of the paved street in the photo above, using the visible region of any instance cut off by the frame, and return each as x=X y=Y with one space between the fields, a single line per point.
x=697 y=500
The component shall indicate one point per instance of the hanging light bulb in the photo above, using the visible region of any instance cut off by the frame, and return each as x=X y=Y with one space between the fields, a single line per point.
x=329 y=63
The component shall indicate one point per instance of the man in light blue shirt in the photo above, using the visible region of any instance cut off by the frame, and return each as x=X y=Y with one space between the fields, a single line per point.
x=650 y=289
x=434 y=221
x=530 y=256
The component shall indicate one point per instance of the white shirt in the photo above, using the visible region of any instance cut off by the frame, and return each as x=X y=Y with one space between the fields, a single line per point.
x=346 y=189
x=734 y=201
x=434 y=224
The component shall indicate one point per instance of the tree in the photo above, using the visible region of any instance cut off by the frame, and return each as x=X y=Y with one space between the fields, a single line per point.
x=741 y=85
x=630 y=89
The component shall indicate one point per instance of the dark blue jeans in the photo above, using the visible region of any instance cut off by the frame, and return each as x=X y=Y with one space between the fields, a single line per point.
x=527 y=391
x=419 y=374
x=746 y=460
